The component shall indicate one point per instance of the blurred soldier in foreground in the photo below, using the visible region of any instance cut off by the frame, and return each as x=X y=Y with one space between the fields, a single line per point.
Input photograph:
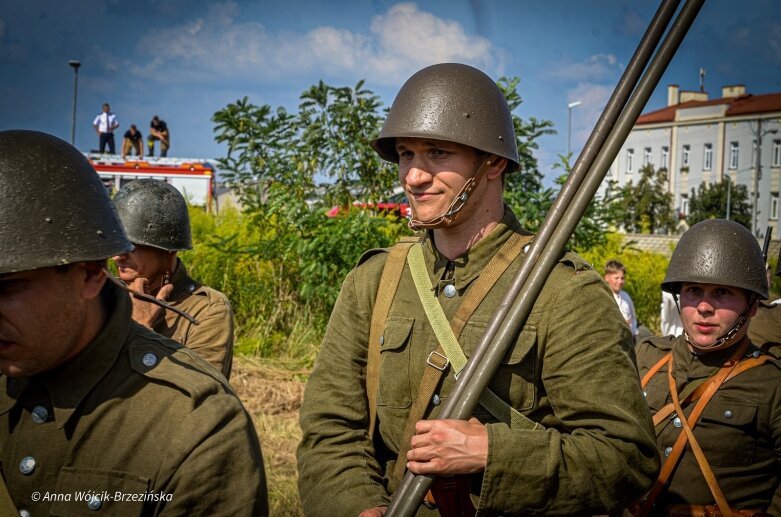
x=765 y=328
x=714 y=395
x=97 y=413
x=155 y=217
x=580 y=441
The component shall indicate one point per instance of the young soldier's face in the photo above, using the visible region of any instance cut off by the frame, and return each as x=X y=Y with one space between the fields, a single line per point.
x=432 y=172
x=708 y=311
x=42 y=316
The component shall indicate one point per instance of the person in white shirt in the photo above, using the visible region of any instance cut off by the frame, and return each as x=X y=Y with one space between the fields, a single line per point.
x=105 y=124
x=671 y=318
x=615 y=276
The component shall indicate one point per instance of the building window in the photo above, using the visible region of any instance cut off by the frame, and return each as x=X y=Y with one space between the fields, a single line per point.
x=665 y=157
x=707 y=158
x=646 y=156
x=630 y=158
x=685 y=204
x=685 y=156
x=776 y=153
x=733 y=155
x=774 y=206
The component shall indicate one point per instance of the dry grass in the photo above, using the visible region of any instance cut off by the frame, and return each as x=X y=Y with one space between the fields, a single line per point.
x=272 y=396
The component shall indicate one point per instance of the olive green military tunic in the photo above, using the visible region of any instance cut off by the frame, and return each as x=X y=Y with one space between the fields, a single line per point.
x=212 y=338
x=739 y=430
x=571 y=369
x=135 y=425
x=765 y=327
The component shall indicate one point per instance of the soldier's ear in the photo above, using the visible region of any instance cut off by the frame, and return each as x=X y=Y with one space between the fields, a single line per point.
x=92 y=279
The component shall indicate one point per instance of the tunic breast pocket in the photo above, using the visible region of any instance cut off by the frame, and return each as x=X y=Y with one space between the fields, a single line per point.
x=514 y=381
x=394 y=389
x=101 y=492
x=725 y=432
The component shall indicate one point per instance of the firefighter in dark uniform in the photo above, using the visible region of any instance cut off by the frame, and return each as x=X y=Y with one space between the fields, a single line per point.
x=714 y=395
x=157 y=222
x=99 y=415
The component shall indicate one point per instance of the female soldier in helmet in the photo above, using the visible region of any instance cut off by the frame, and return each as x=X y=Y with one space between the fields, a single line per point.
x=715 y=397
x=571 y=447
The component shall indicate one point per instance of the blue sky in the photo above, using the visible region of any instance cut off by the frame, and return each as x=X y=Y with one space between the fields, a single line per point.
x=183 y=60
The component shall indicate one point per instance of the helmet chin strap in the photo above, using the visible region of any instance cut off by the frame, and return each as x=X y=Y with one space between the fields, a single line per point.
x=458 y=203
x=727 y=336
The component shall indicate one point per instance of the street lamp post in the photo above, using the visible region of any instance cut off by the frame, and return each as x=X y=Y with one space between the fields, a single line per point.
x=759 y=134
x=569 y=124
x=75 y=64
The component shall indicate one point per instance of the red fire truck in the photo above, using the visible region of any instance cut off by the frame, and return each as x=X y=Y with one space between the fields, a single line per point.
x=193 y=177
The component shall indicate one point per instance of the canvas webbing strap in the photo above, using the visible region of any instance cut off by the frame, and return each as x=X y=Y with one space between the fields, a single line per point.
x=438 y=361
x=728 y=370
x=389 y=281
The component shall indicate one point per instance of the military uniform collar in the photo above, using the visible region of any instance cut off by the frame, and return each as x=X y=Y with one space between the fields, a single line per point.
x=469 y=265
x=698 y=366
x=69 y=383
x=183 y=284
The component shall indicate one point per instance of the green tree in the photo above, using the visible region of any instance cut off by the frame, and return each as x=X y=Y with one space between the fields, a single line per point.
x=710 y=202
x=646 y=207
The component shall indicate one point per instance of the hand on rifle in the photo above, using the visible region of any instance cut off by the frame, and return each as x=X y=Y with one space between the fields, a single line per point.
x=448 y=447
x=377 y=511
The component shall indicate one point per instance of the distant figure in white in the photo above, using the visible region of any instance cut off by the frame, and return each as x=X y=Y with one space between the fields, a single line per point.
x=615 y=276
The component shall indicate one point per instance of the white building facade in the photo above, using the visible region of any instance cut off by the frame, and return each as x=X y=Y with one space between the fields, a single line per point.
x=696 y=139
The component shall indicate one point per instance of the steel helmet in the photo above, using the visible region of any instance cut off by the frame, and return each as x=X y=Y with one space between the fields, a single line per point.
x=717 y=251
x=451 y=102
x=154 y=214
x=54 y=209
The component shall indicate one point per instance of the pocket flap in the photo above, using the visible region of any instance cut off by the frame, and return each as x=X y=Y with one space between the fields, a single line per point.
x=396 y=332
x=526 y=340
x=727 y=412
x=101 y=492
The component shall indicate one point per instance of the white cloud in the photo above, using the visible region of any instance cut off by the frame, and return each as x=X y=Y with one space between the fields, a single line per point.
x=400 y=41
x=597 y=67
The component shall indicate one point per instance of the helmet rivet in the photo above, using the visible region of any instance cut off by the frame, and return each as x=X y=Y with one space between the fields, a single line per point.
x=49 y=220
x=100 y=233
x=501 y=138
x=466 y=115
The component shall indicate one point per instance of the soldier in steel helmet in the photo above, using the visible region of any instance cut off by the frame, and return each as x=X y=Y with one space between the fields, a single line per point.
x=715 y=396
x=97 y=413
x=571 y=445
x=157 y=222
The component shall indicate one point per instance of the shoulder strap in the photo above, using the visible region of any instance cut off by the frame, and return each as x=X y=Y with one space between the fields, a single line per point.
x=438 y=362
x=389 y=282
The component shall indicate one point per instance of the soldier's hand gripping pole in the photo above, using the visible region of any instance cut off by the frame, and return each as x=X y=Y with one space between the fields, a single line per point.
x=585 y=178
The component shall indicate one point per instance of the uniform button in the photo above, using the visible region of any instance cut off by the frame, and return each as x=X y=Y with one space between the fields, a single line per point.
x=39 y=414
x=190 y=288
x=382 y=340
x=27 y=465
x=645 y=393
x=728 y=414
x=667 y=451
x=756 y=354
x=450 y=290
x=149 y=359
x=95 y=503
x=677 y=422
x=24 y=513
x=435 y=399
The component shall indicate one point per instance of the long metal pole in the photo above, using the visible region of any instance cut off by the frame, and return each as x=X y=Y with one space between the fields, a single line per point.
x=533 y=273
x=75 y=98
